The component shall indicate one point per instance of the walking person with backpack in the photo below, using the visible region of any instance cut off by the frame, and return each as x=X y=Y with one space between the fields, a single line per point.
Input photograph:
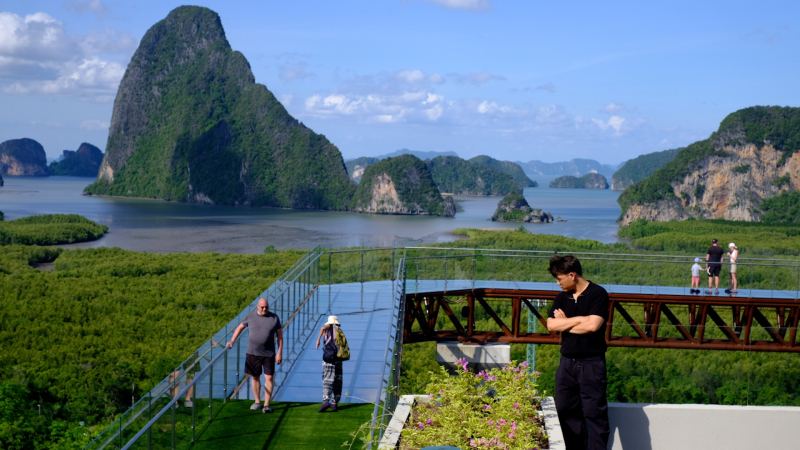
x=334 y=351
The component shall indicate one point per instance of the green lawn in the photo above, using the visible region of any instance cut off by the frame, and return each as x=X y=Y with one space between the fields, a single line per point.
x=290 y=426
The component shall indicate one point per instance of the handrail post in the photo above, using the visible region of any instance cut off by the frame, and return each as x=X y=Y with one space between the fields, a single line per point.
x=211 y=394
x=149 y=417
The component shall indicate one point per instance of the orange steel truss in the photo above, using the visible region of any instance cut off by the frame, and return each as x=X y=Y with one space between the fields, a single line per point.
x=738 y=323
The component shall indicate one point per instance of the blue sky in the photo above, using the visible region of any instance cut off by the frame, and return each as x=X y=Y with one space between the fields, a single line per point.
x=516 y=80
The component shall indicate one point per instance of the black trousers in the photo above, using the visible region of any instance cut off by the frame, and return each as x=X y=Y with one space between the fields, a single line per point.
x=581 y=402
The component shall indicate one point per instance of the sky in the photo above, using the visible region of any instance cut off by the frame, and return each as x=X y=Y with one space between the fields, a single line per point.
x=516 y=80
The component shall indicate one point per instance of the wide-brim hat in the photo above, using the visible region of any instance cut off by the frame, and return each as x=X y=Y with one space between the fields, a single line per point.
x=732 y=245
x=332 y=320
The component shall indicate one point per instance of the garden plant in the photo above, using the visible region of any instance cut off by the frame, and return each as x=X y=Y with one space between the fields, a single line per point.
x=494 y=409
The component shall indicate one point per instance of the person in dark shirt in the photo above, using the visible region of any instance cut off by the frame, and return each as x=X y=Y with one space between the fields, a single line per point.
x=580 y=314
x=714 y=260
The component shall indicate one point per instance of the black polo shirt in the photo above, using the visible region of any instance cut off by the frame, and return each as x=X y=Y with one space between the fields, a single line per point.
x=593 y=301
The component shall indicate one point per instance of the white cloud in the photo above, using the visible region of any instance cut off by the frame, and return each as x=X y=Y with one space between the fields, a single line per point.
x=613 y=108
x=94 y=124
x=82 y=6
x=478 y=78
x=297 y=71
x=549 y=87
x=470 y=5
x=37 y=56
x=406 y=106
x=614 y=122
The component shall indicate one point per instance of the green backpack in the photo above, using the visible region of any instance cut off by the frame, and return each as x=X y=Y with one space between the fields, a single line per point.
x=342 y=349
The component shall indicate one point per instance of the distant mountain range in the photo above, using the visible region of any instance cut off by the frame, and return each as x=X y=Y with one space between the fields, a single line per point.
x=576 y=167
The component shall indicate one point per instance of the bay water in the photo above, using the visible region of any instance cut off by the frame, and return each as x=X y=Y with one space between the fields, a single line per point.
x=162 y=227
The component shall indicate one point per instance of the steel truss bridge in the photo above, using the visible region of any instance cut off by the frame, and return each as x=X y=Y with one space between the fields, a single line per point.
x=644 y=319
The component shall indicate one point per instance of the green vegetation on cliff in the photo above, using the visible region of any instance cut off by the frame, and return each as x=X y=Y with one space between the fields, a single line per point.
x=588 y=181
x=190 y=124
x=50 y=229
x=411 y=180
x=758 y=125
x=506 y=167
x=460 y=177
x=637 y=169
x=84 y=162
x=783 y=208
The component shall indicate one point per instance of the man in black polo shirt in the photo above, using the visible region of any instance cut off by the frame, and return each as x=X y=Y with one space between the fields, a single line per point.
x=714 y=260
x=580 y=313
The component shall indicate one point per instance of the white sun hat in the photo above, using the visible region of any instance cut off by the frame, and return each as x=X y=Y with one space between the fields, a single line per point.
x=732 y=245
x=333 y=320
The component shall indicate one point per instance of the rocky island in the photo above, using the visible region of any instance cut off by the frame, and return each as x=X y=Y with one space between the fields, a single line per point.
x=84 y=162
x=735 y=174
x=461 y=177
x=588 y=181
x=23 y=157
x=514 y=208
x=401 y=185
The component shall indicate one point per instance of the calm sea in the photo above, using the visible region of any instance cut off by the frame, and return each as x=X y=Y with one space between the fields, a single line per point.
x=160 y=227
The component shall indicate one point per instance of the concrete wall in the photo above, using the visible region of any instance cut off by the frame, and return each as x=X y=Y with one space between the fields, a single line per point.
x=641 y=426
x=480 y=357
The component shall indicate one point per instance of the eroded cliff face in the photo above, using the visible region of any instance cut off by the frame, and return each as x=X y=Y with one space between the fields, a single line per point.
x=385 y=200
x=725 y=187
x=23 y=157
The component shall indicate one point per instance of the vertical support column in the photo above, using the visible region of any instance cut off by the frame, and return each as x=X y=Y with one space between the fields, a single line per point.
x=225 y=380
x=149 y=418
x=330 y=285
x=516 y=313
x=211 y=393
x=470 y=314
x=532 y=347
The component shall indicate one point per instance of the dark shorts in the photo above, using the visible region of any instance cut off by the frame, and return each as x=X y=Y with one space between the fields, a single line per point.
x=254 y=363
x=715 y=268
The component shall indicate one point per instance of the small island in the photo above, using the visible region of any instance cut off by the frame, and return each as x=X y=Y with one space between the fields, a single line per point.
x=514 y=208
x=588 y=181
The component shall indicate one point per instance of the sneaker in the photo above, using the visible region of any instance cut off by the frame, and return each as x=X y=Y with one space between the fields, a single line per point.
x=325 y=406
x=716 y=291
x=334 y=408
x=266 y=409
x=727 y=291
x=188 y=403
x=733 y=291
x=255 y=406
x=709 y=291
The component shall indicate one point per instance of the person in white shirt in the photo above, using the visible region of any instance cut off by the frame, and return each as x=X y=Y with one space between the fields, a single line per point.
x=733 y=255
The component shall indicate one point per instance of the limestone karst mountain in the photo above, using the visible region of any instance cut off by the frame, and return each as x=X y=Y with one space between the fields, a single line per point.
x=190 y=124
x=23 y=157
x=84 y=162
x=753 y=156
x=401 y=185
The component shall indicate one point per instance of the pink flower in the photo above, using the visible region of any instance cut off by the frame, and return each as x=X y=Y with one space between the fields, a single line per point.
x=511 y=435
x=472 y=443
x=421 y=426
x=514 y=426
x=516 y=405
x=431 y=395
x=429 y=422
x=523 y=364
x=502 y=421
x=487 y=407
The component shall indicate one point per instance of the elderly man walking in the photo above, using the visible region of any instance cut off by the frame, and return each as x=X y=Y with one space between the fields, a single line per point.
x=264 y=327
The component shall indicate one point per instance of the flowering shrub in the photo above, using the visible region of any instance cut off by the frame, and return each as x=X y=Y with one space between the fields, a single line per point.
x=490 y=410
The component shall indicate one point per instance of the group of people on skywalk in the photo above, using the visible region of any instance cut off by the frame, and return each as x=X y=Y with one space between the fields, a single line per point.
x=714 y=260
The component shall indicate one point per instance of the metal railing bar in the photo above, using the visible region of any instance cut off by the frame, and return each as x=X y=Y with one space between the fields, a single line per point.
x=175 y=399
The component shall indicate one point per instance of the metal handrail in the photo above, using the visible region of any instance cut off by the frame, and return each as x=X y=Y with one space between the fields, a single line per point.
x=175 y=399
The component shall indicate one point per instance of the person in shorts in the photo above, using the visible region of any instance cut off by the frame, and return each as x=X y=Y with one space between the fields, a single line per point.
x=264 y=327
x=696 y=277
x=714 y=261
x=733 y=256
